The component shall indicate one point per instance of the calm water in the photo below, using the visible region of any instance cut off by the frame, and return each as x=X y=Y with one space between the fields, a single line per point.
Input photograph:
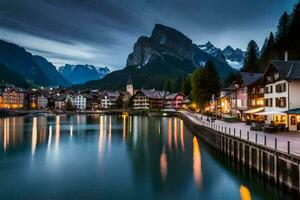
x=116 y=157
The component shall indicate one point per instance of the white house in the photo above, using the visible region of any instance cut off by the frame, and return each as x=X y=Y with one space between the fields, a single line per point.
x=42 y=102
x=78 y=101
x=282 y=92
x=109 y=99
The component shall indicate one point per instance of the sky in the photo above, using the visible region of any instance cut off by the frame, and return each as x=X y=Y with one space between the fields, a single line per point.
x=103 y=32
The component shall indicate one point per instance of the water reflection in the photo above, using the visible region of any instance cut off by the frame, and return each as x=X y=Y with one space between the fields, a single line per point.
x=142 y=157
x=163 y=164
x=57 y=132
x=34 y=136
x=197 y=163
x=245 y=193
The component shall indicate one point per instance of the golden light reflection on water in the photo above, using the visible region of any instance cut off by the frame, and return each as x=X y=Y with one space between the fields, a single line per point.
x=124 y=126
x=175 y=133
x=57 y=131
x=197 y=165
x=34 y=136
x=245 y=193
x=163 y=164
x=6 y=134
x=170 y=134
x=109 y=133
x=101 y=136
x=181 y=135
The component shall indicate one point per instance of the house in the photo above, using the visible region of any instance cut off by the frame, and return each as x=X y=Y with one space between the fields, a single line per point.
x=11 y=97
x=78 y=101
x=145 y=99
x=140 y=100
x=42 y=102
x=109 y=99
x=242 y=91
x=174 y=100
x=60 y=101
x=282 y=93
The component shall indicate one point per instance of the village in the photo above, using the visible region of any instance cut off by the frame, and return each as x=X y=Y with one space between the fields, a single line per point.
x=266 y=101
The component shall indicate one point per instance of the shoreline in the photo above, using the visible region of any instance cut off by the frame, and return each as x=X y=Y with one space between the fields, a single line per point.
x=279 y=167
x=4 y=113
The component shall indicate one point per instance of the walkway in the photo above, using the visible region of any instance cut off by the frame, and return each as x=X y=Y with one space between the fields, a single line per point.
x=288 y=142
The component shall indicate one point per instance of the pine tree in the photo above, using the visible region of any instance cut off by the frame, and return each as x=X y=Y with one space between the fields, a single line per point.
x=269 y=53
x=251 y=58
x=294 y=33
x=186 y=85
x=282 y=38
x=205 y=82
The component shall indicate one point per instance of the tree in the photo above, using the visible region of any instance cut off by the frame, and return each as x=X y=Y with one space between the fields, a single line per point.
x=251 y=58
x=119 y=102
x=168 y=85
x=294 y=33
x=205 y=83
x=269 y=53
x=69 y=106
x=186 y=85
x=230 y=79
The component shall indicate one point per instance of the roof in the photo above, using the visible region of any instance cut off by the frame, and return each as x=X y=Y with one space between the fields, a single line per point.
x=287 y=69
x=248 y=78
x=293 y=111
x=129 y=82
x=153 y=94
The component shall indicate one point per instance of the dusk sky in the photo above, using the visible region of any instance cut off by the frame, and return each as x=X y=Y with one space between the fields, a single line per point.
x=102 y=32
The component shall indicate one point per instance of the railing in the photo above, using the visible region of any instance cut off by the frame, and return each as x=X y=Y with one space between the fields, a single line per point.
x=261 y=139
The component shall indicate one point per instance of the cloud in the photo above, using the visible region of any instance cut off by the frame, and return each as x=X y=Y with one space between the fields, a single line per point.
x=103 y=32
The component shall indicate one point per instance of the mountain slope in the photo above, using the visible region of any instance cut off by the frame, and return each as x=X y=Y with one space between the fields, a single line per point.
x=166 y=56
x=151 y=75
x=78 y=74
x=51 y=72
x=22 y=62
x=10 y=76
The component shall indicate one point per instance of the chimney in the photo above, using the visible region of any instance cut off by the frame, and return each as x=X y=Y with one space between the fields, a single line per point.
x=286 y=56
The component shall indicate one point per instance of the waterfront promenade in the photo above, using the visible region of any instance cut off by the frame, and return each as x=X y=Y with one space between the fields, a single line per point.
x=288 y=142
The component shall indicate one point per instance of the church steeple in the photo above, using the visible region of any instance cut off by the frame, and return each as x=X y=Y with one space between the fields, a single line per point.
x=129 y=86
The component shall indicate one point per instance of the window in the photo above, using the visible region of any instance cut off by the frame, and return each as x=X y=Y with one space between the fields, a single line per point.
x=293 y=120
x=281 y=102
x=267 y=90
x=281 y=87
x=271 y=89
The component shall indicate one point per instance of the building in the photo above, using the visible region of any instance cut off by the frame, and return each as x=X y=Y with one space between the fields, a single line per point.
x=109 y=99
x=174 y=100
x=243 y=86
x=282 y=93
x=11 y=98
x=42 y=102
x=140 y=100
x=60 y=101
x=78 y=101
x=129 y=87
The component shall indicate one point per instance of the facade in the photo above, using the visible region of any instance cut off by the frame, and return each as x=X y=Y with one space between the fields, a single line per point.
x=146 y=99
x=282 y=93
x=12 y=98
x=78 y=101
x=129 y=87
x=140 y=101
x=109 y=99
x=174 y=100
x=42 y=102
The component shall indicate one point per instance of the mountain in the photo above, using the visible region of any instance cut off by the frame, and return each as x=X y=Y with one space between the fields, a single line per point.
x=10 y=76
x=79 y=74
x=167 y=55
x=103 y=71
x=212 y=50
x=35 y=69
x=19 y=60
x=233 y=57
x=50 y=70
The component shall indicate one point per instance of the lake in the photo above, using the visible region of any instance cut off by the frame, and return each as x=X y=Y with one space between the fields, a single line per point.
x=117 y=157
